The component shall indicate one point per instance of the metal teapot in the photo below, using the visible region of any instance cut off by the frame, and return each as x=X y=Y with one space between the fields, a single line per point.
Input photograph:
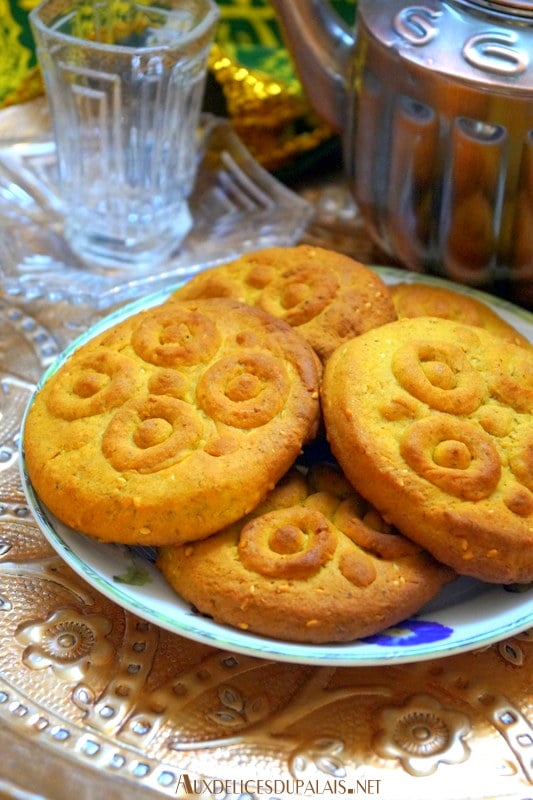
x=434 y=103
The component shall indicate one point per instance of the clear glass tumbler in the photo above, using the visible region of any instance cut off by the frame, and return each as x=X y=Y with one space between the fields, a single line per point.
x=125 y=83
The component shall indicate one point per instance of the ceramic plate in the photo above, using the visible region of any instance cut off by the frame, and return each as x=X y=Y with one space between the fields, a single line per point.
x=466 y=615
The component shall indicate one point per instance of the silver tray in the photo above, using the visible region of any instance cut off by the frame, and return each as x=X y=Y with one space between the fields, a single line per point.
x=96 y=702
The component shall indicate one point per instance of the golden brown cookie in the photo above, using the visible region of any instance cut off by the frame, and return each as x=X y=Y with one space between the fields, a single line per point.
x=328 y=297
x=172 y=424
x=428 y=300
x=432 y=422
x=313 y=563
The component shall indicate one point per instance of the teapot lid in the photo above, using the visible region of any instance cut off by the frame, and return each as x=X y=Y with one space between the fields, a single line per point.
x=522 y=8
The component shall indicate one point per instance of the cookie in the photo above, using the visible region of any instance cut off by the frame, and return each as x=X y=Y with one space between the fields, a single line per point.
x=314 y=563
x=431 y=421
x=173 y=423
x=428 y=300
x=328 y=297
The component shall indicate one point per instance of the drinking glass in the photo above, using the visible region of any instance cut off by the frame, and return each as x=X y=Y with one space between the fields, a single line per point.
x=125 y=82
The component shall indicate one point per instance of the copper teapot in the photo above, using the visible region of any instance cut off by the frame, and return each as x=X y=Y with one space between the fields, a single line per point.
x=434 y=103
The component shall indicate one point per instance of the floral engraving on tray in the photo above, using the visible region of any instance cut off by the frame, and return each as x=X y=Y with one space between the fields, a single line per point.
x=155 y=705
x=234 y=709
x=325 y=754
x=511 y=649
x=422 y=734
x=66 y=641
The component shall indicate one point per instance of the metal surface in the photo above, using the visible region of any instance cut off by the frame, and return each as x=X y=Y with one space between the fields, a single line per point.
x=433 y=101
x=121 y=703
x=524 y=8
x=95 y=702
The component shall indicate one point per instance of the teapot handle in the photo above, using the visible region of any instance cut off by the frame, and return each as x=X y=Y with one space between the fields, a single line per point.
x=321 y=45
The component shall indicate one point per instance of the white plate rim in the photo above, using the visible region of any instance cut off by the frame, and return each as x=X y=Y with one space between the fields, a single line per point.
x=511 y=613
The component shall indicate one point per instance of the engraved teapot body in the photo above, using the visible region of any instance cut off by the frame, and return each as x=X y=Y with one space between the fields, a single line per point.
x=434 y=103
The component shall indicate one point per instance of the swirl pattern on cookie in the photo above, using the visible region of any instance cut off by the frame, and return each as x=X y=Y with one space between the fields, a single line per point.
x=299 y=293
x=290 y=543
x=327 y=296
x=431 y=422
x=151 y=434
x=101 y=381
x=439 y=374
x=245 y=390
x=176 y=337
x=174 y=423
x=454 y=455
x=288 y=570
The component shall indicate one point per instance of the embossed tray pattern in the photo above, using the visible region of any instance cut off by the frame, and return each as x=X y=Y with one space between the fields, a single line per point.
x=95 y=702
x=112 y=693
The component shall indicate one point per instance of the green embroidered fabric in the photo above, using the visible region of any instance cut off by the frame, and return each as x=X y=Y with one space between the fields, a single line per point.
x=248 y=27
x=252 y=78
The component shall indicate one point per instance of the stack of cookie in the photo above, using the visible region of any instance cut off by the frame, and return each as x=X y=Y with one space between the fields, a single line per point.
x=183 y=427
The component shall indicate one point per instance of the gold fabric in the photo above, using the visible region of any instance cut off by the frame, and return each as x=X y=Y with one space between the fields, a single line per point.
x=270 y=115
x=20 y=77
